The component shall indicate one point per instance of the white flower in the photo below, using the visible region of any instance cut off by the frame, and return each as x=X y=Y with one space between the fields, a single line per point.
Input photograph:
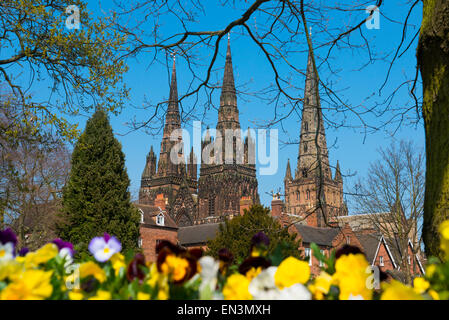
x=295 y=292
x=262 y=287
x=104 y=247
x=208 y=273
x=6 y=251
x=66 y=253
x=358 y=297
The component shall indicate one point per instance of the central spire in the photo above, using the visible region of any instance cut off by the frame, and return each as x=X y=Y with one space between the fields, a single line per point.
x=312 y=146
x=228 y=113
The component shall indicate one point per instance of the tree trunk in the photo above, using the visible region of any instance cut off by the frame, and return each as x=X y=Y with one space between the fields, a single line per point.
x=433 y=61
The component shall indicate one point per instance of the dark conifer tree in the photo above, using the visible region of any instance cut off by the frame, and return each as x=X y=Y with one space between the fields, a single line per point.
x=96 y=198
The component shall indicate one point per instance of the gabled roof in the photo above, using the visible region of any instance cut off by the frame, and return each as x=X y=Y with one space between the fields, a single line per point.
x=197 y=234
x=320 y=236
x=370 y=243
x=151 y=212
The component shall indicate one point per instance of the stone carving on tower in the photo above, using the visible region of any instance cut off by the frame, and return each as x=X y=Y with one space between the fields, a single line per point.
x=312 y=193
x=177 y=183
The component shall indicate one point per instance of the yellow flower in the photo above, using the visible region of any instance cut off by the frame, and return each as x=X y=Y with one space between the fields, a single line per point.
x=29 y=285
x=351 y=275
x=253 y=272
x=290 y=272
x=159 y=280
x=321 y=285
x=76 y=295
x=143 y=296
x=90 y=268
x=430 y=270
x=420 y=285
x=444 y=239
x=118 y=262
x=236 y=288
x=175 y=266
x=395 y=290
x=44 y=254
x=434 y=294
x=9 y=268
x=101 y=295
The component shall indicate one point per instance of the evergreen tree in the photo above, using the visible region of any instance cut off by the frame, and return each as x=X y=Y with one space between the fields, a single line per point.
x=236 y=234
x=96 y=197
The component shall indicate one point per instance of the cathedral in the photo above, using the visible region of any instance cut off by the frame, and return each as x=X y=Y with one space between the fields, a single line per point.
x=222 y=185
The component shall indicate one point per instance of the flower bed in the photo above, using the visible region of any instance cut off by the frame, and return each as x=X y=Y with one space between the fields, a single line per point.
x=51 y=273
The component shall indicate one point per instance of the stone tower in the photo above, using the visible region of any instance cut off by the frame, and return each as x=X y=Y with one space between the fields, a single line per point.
x=230 y=174
x=169 y=176
x=312 y=193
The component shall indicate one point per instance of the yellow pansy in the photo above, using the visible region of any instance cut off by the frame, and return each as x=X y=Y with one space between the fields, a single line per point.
x=29 y=285
x=290 y=272
x=395 y=290
x=420 y=285
x=101 y=295
x=118 y=262
x=76 y=295
x=143 y=296
x=175 y=266
x=321 y=285
x=236 y=288
x=90 y=268
x=253 y=272
x=434 y=294
x=9 y=268
x=159 y=280
x=44 y=254
x=351 y=276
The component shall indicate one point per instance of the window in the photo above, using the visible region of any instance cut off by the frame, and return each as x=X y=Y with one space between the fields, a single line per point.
x=305 y=146
x=140 y=242
x=409 y=260
x=141 y=216
x=321 y=262
x=160 y=219
x=348 y=240
x=211 y=205
x=298 y=195
x=308 y=194
x=304 y=173
x=307 y=252
x=381 y=261
x=306 y=126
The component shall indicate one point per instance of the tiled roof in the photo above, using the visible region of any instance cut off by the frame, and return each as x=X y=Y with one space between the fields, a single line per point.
x=369 y=242
x=150 y=213
x=320 y=236
x=197 y=234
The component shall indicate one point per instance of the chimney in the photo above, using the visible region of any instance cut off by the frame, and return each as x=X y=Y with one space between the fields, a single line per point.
x=277 y=205
x=160 y=201
x=245 y=203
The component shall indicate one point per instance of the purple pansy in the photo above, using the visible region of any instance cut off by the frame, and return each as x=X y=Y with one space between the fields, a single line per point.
x=103 y=248
x=7 y=236
x=23 y=252
x=65 y=247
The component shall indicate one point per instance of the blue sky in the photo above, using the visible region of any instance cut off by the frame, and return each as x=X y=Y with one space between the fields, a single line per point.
x=350 y=146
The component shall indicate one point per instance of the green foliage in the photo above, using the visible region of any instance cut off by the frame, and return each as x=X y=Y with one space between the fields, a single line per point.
x=96 y=198
x=236 y=235
x=80 y=66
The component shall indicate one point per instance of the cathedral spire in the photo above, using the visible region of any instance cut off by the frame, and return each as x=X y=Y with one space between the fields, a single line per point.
x=312 y=146
x=338 y=173
x=288 y=172
x=228 y=114
x=172 y=122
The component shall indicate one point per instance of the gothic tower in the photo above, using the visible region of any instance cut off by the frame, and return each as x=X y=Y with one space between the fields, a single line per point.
x=171 y=174
x=312 y=193
x=230 y=173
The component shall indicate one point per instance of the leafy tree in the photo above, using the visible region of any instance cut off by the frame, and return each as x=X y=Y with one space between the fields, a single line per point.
x=236 y=235
x=42 y=46
x=96 y=198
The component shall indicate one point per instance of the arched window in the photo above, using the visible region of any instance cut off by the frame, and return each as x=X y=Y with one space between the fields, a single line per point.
x=306 y=126
x=304 y=173
x=211 y=205
x=160 y=219
x=305 y=147
x=308 y=194
x=298 y=195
